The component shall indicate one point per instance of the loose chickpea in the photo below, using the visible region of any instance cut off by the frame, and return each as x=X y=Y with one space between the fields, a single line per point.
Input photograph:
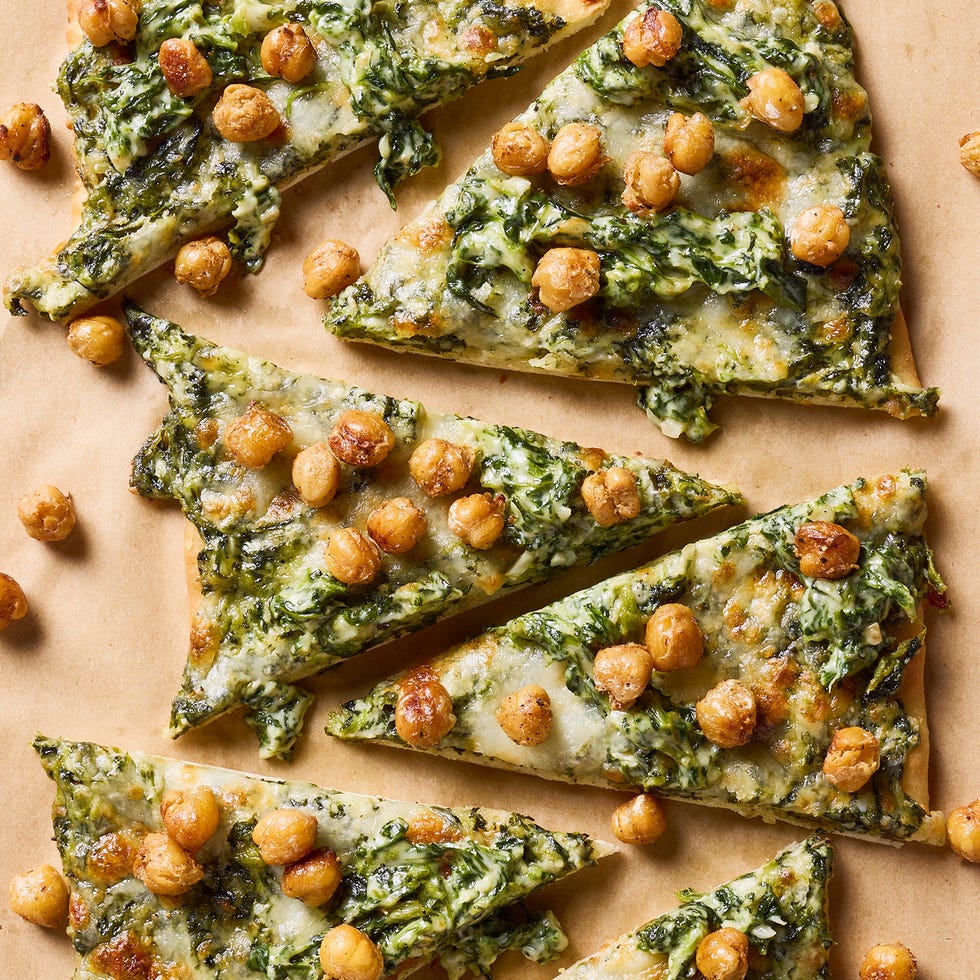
x=566 y=277
x=852 y=758
x=970 y=152
x=285 y=836
x=361 y=439
x=316 y=474
x=25 y=136
x=329 y=269
x=352 y=557
x=191 y=816
x=611 y=496
x=13 y=602
x=255 y=437
x=245 y=114
x=477 y=520
x=575 y=156
x=104 y=21
x=623 y=672
x=888 y=961
x=47 y=514
x=674 y=638
x=525 y=715
x=423 y=712
x=826 y=550
x=440 y=467
x=96 y=339
x=726 y=714
x=723 y=955
x=652 y=182
x=519 y=150
x=653 y=38
x=775 y=99
x=203 y=264
x=40 y=896
x=963 y=830
x=288 y=53
x=165 y=867
x=689 y=142
x=185 y=70
x=397 y=525
x=639 y=820
x=347 y=954
x=314 y=879
x=820 y=234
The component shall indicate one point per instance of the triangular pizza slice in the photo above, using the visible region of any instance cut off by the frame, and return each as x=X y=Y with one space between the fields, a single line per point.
x=774 y=669
x=334 y=519
x=691 y=207
x=209 y=872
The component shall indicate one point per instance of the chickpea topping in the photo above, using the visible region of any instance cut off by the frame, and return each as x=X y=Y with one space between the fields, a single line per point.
x=827 y=14
x=424 y=712
x=245 y=114
x=440 y=467
x=689 y=142
x=361 y=439
x=190 y=816
x=13 y=602
x=288 y=53
x=525 y=715
x=852 y=758
x=639 y=820
x=726 y=714
x=314 y=879
x=963 y=829
x=611 y=496
x=623 y=672
x=203 y=264
x=316 y=474
x=674 y=638
x=826 y=550
x=653 y=38
x=566 y=277
x=104 y=21
x=723 y=955
x=329 y=269
x=519 y=150
x=397 y=525
x=477 y=520
x=285 y=836
x=96 y=339
x=970 y=152
x=775 y=99
x=347 y=954
x=40 y=896
x=47 y=514
x=652 y=183
x=255 y=437
x=820 y=234
x=165 y=867
x=185 y=70
x=888 y=961
x=575 y=156
x=25 y=136
x=352 y=557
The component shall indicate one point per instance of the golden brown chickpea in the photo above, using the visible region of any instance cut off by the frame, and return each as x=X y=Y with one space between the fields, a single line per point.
x=329 y=269
x=13 y=602
x=165 y=867
x=104 y=21
x=674 y=638
x=827 y=14
x=775 y=99
x=652 y=183
x=888 y=961
x=288 y=53
x=316 y=474
x=525 y=715
x=203 y=264
x=970 y=152
x=190 y=817
x=47 y=514
x=347 y=954
x=852 y=758
x=477 y=520
x=723 y=955
x=424 y=711
x=361 y=439
x=245 y=114
x=25 y=136
x=352 y=557
x=689 y=142
x=566 y=277
x=285 y=836
x=611 y=496
x=623 y=672
x=96 y=339
x=820 y=234
x=314 y=879
x=963 y=829
x=40 y=896
x=185 y=70
x=397 y=525
x=255 y=437
x=639 y=820
x=826 y=550
x=440 y=467
x=653 y=38
x=520 y=150
x=726 y=714
x=575 y=156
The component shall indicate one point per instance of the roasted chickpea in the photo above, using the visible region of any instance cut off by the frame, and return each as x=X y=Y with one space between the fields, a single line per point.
x=104 y=21
x=652 y=38
x=288 y=53
x=827 y=14
x=329 y=269
x=970 y=152
x=520 y=150
x=723 y=955
x=423 y=712
x=775 y=99
x=852 y=758
x=361 y=439
x=255 y=437
x=40 y=896
x=888 y=961
x=652 y=182
x=397 y=525
x=316 y=474
x=285 y=836
x=611 y=496
x=963 y=829
x=689 y=142
x=185 y=70
x=726 y=714
x=47 y=514
x=575 y=156
x=674 y=638
x=826 y=550
x=347 y=954
x=566 y=277
x=477 y=520
x=245 y=114
x=13 y=602
x=440 y=467
x=639 y=820
x=96 y=339
x=165 y=867
x=203 y=264
x=314 y=879
x=820 y=234
x=190 y=816
x=25 y=136
x=525 y=715
x=623 y=672
x=352 y=557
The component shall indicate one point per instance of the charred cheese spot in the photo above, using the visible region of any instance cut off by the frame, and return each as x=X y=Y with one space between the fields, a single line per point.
x=753 y=178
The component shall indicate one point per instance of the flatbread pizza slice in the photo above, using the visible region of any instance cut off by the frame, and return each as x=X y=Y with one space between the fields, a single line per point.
x=193 y=871
x=246 y=99
x=691 y=207
x=334 y=519
x=774 y=669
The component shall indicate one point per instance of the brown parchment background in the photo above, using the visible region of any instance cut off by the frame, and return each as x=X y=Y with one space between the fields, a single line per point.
x=101 y=651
